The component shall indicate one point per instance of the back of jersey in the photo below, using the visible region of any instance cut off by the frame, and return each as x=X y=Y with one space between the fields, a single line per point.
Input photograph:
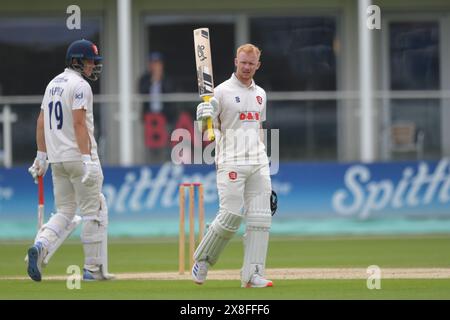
x=66 y=92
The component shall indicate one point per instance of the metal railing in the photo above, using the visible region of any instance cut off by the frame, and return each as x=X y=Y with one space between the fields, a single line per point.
x=8 y=118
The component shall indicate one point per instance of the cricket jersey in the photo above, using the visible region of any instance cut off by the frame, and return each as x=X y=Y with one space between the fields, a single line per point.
x=238 y=118
x=66 y=92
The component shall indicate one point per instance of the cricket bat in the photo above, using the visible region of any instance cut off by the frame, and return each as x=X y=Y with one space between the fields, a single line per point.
x=40 y=202
x=40 y=210
x=204 y=71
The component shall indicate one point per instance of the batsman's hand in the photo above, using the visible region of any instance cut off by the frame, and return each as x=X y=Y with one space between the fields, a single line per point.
x=206 y=109
x=39 y=167
x=91 y=171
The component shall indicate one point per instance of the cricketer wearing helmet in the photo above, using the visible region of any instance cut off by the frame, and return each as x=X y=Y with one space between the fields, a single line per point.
x=65 y=139
x=243 y=179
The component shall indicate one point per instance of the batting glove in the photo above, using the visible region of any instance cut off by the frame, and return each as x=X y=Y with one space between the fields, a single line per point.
x=39 y=167
x=207 y=109
x=91 y=171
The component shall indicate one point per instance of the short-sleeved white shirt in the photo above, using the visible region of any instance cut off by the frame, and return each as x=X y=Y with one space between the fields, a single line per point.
x=66 y=92
x=241 y=111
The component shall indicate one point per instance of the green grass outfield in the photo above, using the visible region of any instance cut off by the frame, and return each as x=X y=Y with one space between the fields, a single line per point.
x=161 y=255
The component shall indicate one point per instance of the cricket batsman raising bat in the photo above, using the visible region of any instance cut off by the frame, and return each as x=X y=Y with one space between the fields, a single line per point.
x=238 y=110
x=204 y=72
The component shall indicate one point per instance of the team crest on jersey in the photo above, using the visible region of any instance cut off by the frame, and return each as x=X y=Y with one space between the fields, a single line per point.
x=79 y=95
x=94 y=47
x=237 y=99
x=232 y=175
x=259 y=99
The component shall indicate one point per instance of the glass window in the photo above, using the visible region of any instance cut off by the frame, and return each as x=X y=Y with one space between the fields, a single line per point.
x=159 y=126
x=308 y=129
x=414 y=51
x=34 y=50
x=425 y=114
x=178 y=75
x=414 y=65
x=179 y=55
x=298 y=53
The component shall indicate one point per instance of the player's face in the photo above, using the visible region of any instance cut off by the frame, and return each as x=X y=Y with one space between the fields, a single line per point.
x=88 y=67
x=246 y=65
x=157 y=69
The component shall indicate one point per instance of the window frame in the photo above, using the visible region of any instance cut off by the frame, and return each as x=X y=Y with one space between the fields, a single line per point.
x=385 y=118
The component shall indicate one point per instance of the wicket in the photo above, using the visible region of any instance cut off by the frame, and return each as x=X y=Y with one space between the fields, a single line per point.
x=201 y=223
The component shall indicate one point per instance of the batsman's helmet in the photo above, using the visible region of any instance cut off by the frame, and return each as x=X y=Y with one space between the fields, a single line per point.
x=84 y=50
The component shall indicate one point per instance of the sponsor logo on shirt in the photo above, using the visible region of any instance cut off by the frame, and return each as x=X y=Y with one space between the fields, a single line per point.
x=79 y=95
x=237 y=99
x=249 y=115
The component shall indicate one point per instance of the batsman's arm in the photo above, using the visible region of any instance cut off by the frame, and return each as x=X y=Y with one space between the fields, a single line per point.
x=40 y=135
x=81 y=131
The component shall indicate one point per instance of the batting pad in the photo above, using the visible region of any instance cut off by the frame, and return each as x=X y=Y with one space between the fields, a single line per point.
x=256 y=237
x=62 y=237
x=93 y=236
x=104 y=254
x=219 y=233
x=50 y=232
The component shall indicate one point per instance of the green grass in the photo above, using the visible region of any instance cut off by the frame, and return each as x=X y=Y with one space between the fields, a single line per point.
x=227 y=290
x=148 y=255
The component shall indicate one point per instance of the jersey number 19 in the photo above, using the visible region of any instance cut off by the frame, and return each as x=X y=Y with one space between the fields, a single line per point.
x=58 y=114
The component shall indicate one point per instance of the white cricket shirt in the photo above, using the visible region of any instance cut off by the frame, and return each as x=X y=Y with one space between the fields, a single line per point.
x=66 y=92
x=239 y=117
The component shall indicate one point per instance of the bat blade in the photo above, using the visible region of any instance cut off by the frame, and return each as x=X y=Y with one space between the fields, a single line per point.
x=203 y=62
x=40 y=202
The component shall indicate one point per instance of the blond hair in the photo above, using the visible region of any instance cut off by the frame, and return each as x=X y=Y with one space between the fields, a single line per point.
x=249 y=48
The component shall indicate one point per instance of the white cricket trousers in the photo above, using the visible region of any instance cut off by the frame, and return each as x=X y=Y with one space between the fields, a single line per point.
x=238 y=184
x=70 y=193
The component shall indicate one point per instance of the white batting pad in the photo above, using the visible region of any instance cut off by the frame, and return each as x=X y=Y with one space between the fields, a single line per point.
x=63 y=236
x=104 y=215
x=219 y=233
x=94 y=235
x=256 y=238
x=53 y=230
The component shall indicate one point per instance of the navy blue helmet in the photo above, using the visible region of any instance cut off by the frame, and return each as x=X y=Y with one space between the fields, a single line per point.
x=84 y=50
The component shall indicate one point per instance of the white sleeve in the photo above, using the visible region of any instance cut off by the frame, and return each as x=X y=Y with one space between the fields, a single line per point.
x=216 y=116
x=81 y=96
x=263 y=111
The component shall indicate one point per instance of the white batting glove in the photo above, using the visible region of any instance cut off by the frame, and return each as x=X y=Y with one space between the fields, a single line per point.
x=207 y=109
x=39 y=167
x=91 y=171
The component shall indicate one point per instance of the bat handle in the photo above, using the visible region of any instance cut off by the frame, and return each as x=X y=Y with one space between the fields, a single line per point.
x=209 y=123
x=41 y=190
x=210 y=129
